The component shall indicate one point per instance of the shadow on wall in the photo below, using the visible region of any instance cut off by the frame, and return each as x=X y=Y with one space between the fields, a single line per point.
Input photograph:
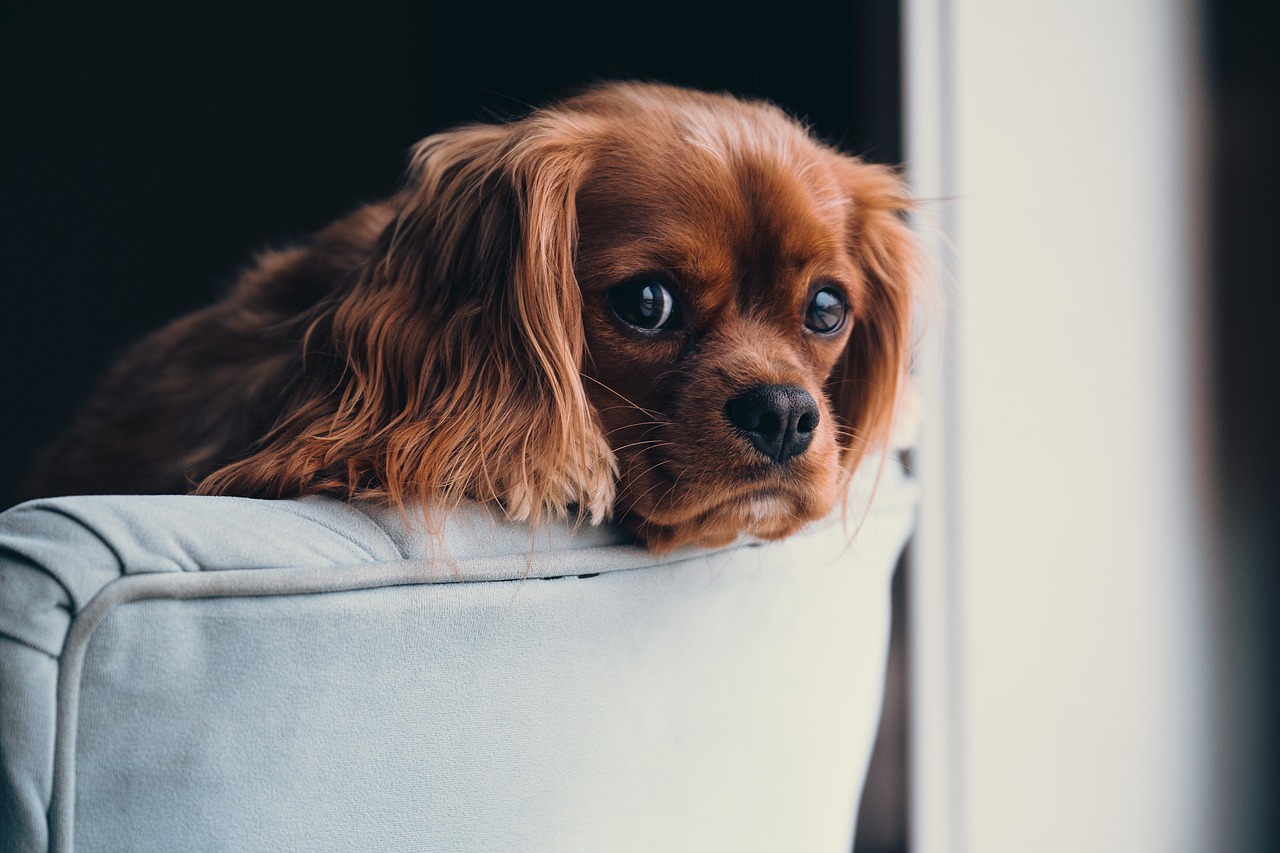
x=1244 y=217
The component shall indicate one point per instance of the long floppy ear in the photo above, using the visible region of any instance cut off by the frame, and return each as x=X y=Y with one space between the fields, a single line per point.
x=455 y=353
x=866 y=384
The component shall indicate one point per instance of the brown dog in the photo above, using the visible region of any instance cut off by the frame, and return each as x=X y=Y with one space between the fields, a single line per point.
x=671 y=307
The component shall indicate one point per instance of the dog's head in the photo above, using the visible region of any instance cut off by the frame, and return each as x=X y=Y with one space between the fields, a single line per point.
x=671 y=306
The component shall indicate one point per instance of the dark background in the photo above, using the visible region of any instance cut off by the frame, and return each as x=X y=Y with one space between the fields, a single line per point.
x=149 y=151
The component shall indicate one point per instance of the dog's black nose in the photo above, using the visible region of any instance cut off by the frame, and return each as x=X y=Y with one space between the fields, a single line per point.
x=778 y=420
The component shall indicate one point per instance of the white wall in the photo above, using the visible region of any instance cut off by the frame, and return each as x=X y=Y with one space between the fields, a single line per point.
x=1061 y=673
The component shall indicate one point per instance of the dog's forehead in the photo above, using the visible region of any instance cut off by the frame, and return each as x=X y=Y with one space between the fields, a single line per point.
x=753 y=214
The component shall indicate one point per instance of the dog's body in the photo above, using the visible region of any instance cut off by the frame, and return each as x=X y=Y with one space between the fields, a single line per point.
x=200 y=392
x=673 y=307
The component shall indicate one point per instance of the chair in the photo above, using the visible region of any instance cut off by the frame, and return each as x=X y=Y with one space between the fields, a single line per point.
x=183 y=673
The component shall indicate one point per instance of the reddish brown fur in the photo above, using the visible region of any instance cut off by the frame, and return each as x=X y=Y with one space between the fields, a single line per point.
x=454 y=342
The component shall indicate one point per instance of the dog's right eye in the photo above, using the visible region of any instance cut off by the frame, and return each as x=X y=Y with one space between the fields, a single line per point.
x=645 y=303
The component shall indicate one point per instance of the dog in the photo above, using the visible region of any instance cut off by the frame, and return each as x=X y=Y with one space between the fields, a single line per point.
x=669 y=307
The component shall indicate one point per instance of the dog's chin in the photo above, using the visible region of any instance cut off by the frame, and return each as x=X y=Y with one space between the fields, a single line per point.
x=719 y=521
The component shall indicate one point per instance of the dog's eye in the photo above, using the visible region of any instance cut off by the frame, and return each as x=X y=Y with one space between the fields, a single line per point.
x=826 y=311
x=645 y=303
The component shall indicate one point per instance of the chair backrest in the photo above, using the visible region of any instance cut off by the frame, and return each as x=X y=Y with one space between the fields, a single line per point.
x=186 y=673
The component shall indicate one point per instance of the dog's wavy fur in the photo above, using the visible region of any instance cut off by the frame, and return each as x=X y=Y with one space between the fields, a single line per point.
x=453 y=342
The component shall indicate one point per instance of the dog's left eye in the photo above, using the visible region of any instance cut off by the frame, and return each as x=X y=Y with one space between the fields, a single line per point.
x=826 y=311
x=645 y=303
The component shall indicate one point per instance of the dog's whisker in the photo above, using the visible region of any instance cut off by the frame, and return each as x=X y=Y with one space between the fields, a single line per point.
x=657 y=442
x=675 y=484
x=636 y=424
x=633 y=478
x=642 y=495
x=648 y=426
x=622 y=396
x=630 y=408
x=645 y=472
x=661 y=500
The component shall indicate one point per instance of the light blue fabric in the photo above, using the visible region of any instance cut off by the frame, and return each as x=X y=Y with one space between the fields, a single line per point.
x=195 y=673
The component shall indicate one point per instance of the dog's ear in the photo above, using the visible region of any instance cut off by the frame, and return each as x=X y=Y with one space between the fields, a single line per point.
x=457 y=347
x=865 y=385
